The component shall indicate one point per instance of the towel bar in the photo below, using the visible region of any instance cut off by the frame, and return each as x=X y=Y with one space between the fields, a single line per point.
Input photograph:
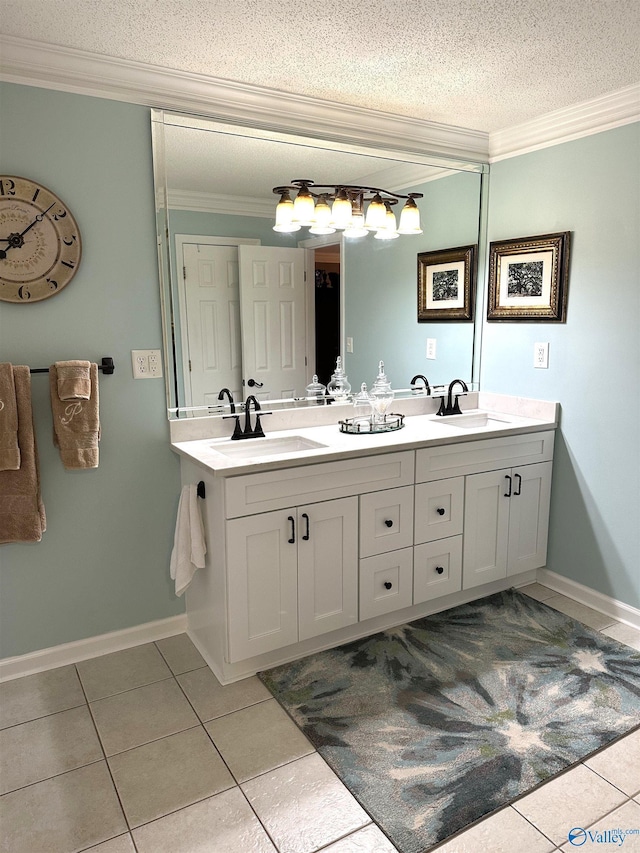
x=106 y=366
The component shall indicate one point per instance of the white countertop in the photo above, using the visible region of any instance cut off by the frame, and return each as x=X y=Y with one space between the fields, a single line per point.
x=512 y=416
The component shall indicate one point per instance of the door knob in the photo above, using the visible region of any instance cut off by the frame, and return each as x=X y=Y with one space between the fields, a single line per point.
x=252 y=383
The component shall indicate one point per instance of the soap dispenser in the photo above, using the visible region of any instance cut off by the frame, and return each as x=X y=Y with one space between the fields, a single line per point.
x=315 y=391
x=381 y=395
x=339 y=387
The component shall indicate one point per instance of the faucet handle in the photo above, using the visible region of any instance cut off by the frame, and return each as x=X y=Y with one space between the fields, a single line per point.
x=258 y=432
x=441 y=411
x=237 y=431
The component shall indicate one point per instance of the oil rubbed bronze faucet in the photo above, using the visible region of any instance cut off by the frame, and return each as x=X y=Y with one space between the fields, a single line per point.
x=226 y=393
x=452 y=408
x=249 y=431
x=424 y=379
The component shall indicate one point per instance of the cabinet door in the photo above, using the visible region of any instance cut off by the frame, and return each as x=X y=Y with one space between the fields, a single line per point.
x=386 y=521
x=327 y=566
x=486 y=528
x=529 y=517
x=262 y=583
x=439 y=509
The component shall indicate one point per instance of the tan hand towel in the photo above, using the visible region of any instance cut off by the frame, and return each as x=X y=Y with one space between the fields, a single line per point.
x=22 y=516
x=74 y=380
x=9 y=449
x=76 y=424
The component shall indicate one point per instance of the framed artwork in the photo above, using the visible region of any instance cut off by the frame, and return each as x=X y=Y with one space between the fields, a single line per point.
x=528 y=278
x=446 y=284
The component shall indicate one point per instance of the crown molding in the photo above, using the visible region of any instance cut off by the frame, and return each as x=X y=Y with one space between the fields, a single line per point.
x=217 y=203
x=49 y=66
x=593 y=116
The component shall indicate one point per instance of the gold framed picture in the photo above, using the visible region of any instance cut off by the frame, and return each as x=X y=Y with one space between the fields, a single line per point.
x=446 y=284
x=528 y=278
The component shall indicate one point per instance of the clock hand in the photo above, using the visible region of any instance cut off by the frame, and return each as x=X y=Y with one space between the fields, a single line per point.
x=16 y=240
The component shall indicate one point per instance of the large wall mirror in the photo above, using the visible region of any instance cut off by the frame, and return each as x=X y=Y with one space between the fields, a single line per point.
x=225 y=326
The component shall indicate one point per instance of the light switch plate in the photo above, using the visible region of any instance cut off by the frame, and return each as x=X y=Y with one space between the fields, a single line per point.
x=431 y=348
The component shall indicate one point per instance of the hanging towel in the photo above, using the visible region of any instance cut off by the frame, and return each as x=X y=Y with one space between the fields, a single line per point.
x=9 y=449
x=74 y=380
x=22 y=516
x=76 y=423
x=189 y=546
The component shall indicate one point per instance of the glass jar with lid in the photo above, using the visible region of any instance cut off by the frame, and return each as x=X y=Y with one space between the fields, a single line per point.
x=339 y=387
x=381 y=395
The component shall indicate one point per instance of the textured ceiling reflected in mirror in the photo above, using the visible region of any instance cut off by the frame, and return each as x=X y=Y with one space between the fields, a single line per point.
x=256 y=311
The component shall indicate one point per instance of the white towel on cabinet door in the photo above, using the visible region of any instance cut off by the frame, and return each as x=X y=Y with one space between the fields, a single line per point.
x=189 y=546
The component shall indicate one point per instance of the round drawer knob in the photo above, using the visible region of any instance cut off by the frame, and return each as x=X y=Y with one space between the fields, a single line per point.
x=440 y=510
x=388 y=584
x=389 y=523
x=439 y=569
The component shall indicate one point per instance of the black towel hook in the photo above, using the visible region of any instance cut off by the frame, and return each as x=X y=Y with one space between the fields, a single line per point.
x=201 y=492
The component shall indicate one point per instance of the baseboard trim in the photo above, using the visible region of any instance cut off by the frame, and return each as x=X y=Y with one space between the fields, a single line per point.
x=115 y=641
x=592 y=598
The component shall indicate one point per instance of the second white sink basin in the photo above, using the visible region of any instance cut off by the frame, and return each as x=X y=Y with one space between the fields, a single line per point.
x=473 y=420
x=253 y=448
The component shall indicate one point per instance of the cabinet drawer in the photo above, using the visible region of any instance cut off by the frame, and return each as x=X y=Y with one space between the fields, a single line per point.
x=268 y=490
x=385 y=583
x=439 y=510
x=386 y=521
x=437 y=569
x=487 y=454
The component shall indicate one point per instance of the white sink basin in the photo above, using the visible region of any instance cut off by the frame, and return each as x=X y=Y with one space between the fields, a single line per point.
x=473 y=420
x=253 y=448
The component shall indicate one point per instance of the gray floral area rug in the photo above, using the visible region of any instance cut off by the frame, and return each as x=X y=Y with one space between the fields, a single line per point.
x=436 y=723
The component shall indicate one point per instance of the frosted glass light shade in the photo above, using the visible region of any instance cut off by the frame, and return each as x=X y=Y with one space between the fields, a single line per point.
x=356 y=228
x=389 y=231
x=303 y=208
x=341 y=211
x=410 y=219
x=284 y=215
x=323 y=217
x=376 y=214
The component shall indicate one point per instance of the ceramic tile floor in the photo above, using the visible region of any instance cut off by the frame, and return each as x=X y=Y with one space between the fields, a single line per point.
x=143 y=750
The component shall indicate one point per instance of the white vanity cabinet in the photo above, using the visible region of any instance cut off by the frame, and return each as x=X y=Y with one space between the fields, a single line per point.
x=291 y=575
x=506 y=509
x=310 y=556
x=506 y=522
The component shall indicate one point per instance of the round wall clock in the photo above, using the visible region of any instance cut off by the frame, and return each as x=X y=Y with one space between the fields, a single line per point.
x=40 y=245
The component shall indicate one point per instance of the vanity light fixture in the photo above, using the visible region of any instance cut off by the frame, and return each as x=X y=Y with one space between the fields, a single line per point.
x=341 y=207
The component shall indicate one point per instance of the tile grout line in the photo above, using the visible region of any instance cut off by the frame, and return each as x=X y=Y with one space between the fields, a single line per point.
x=113 y=781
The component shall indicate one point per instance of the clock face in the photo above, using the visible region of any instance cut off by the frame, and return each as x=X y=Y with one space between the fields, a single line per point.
x=40 y=245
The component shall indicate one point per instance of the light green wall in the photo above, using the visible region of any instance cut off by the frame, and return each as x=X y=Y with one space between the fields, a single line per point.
x=590 y=187
x=102 y=564
x=382 y=292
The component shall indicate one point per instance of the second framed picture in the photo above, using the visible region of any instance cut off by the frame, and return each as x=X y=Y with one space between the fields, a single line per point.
x=528 y=278
x=446 y=284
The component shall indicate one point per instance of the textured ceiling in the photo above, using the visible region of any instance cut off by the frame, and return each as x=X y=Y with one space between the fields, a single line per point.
x=254 y=166
x=478 y=64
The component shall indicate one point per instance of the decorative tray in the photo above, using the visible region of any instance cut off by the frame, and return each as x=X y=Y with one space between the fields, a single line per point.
x=362 y=426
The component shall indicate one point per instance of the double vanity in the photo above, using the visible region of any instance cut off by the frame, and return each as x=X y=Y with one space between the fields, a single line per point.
x=316 y=537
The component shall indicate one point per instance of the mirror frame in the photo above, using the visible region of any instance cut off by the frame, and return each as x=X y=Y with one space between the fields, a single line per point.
x=356 y=142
